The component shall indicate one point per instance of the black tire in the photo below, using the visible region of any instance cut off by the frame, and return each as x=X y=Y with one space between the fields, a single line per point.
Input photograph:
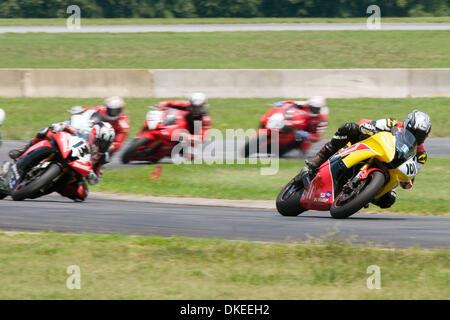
x=255 y=141
x=130 y=151
x=288 y=200
x=32 y=189
x=369 y=191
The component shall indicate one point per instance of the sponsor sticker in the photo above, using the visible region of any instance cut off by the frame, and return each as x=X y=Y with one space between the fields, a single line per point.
x=405 y=149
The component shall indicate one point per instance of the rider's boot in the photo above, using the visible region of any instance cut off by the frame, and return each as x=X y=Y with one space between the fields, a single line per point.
x=320 y=157
x=16 y=153
x=313 y=164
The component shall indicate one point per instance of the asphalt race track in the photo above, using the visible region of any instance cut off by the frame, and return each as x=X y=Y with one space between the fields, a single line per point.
x=58 y=214
x=101 y=216
x=225 y=27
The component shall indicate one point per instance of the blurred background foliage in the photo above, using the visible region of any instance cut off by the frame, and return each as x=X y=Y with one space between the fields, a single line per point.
x=221 y=8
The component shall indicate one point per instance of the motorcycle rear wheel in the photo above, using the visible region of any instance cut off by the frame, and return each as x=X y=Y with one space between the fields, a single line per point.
x=373 y=185
x=32 y=189
x=130 y=151
x=288 y=200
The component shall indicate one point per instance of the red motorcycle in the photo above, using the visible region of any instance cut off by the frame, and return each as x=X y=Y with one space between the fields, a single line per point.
x=285 y=120
x=157 y=137
x=49 y=165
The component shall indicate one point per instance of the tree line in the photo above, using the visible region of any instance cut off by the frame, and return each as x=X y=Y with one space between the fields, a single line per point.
x=221 y=8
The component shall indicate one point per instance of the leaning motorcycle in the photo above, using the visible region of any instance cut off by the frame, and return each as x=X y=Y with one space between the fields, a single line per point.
x=46 y=167
x=353 y=177
x=286 y=121
x=157 y=136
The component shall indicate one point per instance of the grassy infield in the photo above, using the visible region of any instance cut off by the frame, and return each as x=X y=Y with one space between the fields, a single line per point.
x=235 y=50
x=126 y=267
x=114 y=267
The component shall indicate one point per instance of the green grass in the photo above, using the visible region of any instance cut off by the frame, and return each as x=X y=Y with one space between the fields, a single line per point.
x=24 y=116
x=235 y=50
x=244 y=181
x=143 y=267
x=131 y=21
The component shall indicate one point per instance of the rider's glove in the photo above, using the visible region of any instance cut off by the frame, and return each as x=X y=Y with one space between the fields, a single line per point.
x=107 y=157
x=93 y=179
x=367 y=128
x=301 y=135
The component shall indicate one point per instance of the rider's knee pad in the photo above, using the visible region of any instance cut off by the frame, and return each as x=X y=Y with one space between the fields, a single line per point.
x=77 y=191
x=387 y=200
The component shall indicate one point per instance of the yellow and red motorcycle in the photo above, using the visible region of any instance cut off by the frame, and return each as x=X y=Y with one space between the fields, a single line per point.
x=354 y=176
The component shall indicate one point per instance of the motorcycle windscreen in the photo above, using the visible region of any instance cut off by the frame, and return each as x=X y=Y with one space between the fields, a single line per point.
x=319 y=193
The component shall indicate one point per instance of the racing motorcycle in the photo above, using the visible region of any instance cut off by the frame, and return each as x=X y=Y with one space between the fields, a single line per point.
x=157 y=137
x=46 y=167
x=353 y=177
x=286 y=120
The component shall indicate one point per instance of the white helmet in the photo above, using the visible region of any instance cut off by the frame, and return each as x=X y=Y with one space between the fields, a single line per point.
x=102 y=135
x=316 y=103
x=114 y=106
x=2 y=116
x=419 y=124
x=198 y=102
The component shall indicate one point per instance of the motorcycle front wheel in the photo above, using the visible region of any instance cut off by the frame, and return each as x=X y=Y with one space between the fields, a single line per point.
x=31 y=188
x=130 y=151
x=288 y=200
x=346 y=204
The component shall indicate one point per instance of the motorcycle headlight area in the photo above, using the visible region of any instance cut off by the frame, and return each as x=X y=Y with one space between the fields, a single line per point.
x=153 y=117
x=276 y=121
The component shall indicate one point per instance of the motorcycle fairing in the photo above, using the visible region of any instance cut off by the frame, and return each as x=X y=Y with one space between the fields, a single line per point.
x=148 y=134
x=40 y=144
x=38 y=151
x=81 y=167
x=82 y=163
x=63 y=140
x=380 y=146
x=319 y=194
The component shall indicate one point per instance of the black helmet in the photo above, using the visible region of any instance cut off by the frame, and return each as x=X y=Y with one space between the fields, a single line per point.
x=419 y=124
